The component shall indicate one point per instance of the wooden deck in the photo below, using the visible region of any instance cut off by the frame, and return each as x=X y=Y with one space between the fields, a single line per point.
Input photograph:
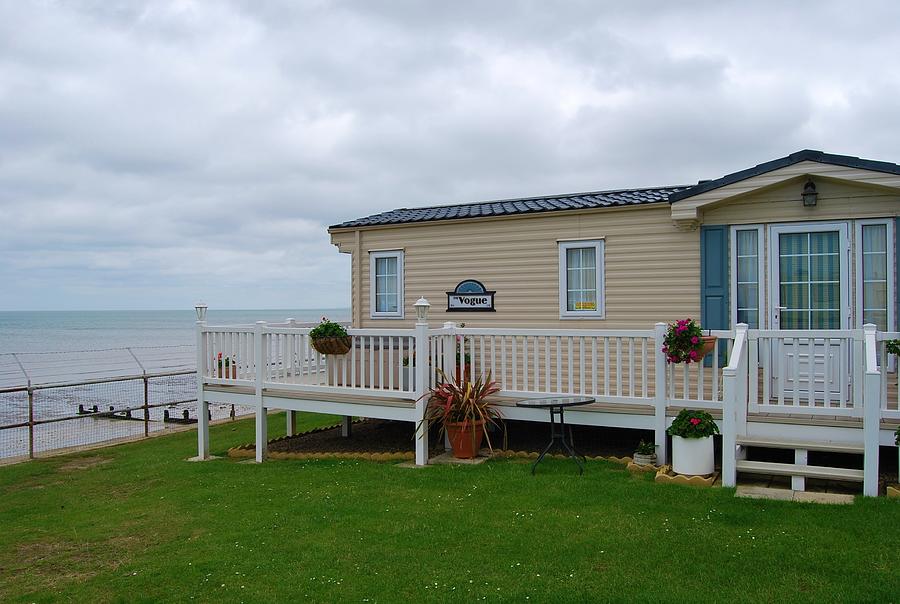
x=835 y=421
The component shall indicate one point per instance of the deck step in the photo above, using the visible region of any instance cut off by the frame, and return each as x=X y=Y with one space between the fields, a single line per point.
x=777 y=443
x=790 y=469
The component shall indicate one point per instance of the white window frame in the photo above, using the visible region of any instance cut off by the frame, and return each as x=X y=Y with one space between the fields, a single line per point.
x=401 y=277
x=858 y=262
x=760 y=272
x=599 y=251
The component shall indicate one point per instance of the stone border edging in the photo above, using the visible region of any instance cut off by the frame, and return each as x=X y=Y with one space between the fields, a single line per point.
x=248 y=451
x=665 y=475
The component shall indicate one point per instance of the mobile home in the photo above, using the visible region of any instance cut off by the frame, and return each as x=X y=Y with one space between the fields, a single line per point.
x=792 y=264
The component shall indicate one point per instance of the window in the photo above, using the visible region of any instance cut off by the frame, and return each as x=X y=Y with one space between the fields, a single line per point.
x=386 y=287
x=809 y=279
x=875 y=270
x=746 y=262
x=581 y=279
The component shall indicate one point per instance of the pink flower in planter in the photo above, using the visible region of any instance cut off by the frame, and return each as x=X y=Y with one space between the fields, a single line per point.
x=694 y=421
x=665 y=349
x=693 y=354
x=695 y=340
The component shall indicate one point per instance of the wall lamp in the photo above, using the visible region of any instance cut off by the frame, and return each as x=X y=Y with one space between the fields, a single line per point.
x=810 y=194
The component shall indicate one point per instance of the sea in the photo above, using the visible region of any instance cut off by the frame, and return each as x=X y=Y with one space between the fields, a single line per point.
x=60 y=350
x=66 y=331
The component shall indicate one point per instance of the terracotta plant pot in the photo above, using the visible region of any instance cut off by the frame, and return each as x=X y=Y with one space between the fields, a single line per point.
x=335 y=345
x=465 y=444
x=229 y=371
x=709 y=344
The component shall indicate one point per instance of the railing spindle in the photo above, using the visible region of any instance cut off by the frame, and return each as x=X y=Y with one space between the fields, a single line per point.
x=701 y=379
x=503 y=360
x=481 y=364
x=493 y=356
x=644 y=367
x=371 y=343
x=618 y=366
x=581 y=363
x=515 y=364
x=796 y=367
x=558 y=367
x=380 y=363
x=606 y=366
x=472 y=358
x=630 y=366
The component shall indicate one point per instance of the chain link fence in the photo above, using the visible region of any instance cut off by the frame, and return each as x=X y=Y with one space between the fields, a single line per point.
x=56 y=402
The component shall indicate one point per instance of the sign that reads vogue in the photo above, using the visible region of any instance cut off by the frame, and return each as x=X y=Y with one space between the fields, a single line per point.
x=471 y=296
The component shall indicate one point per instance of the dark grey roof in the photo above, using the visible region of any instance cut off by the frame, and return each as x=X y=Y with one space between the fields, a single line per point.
x=794 y=158
x=606 y=199
x=525 y=205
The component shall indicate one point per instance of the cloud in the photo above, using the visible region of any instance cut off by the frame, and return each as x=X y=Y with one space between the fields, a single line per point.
x=157 y=152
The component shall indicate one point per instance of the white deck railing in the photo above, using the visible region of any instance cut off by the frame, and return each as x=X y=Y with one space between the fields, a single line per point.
x=737 y=378
x=890 y=396
x=379 y=363
x=614 y=365
x=761 y=355
x=872 y=387
x=789 y=372
x=805 y=372
x=696 y=384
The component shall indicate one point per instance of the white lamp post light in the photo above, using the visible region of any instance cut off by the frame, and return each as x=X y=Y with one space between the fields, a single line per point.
x=422 y=307
x=200 y=307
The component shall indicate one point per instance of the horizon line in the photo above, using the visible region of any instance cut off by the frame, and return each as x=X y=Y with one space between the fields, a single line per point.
x=162 y=309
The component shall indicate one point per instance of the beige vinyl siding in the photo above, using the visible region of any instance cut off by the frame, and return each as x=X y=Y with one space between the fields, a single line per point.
x=651 y=268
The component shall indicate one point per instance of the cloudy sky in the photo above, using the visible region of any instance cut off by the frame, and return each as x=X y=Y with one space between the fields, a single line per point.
x=154 y=153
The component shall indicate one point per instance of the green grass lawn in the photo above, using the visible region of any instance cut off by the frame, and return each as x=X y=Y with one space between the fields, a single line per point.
x=138 y=523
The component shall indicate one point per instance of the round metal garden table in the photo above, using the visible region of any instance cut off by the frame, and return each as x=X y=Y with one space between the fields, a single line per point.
x=557 y=405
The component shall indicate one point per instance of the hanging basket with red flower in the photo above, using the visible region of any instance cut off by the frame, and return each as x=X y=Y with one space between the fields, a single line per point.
x=685 y=342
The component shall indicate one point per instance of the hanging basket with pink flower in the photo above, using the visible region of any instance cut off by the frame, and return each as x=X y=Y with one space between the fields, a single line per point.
x=685 y=342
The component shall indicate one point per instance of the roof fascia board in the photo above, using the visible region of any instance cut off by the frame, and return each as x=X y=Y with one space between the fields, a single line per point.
x=846 y=161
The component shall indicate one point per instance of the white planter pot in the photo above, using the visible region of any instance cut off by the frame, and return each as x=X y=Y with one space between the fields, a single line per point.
x=693 y=456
